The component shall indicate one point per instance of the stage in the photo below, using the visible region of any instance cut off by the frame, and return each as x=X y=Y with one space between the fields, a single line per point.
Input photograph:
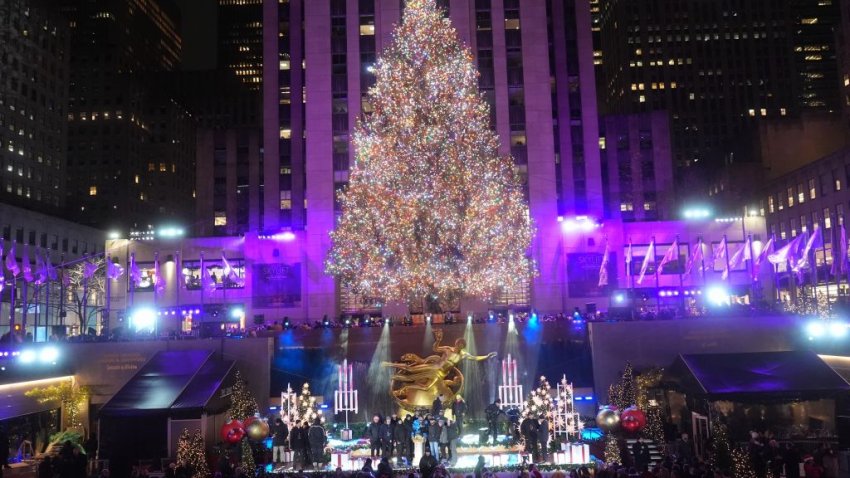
x=351 y=456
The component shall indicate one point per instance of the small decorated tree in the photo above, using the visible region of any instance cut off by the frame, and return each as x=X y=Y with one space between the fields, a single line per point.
x=191 y=454
x=742 y=466
x=248 y=463
x=539 y=402
x=307 y=408
x=612 y=449
x=720 y=457
x=242 y=402
x=567 y=423
x=623 y=394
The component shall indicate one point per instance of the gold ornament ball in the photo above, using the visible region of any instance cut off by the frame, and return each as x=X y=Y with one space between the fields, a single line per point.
x=607 y=419
x=258 y=430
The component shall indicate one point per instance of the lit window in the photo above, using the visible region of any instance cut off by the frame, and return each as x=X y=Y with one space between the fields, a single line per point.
x=220 y=219
x=512 y=24
x=782 y=111
x=136 y=179
x=827 y=218
x=141 y=196
x=285 y=133
x=151 y=167
x=809 y=21
x=367 y=30
x=92 y=190
x=284 y=64
x=162 y=167
x=626 y=206
x=752 y=112
x=770 y=206
x=642 y=99
x=602 y=143
x=763 y=111
x=286 y=199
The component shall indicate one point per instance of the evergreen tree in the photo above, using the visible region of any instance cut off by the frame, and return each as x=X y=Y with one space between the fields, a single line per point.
x=307 y=408
x=431 y=208
x=243 y=404
x=539 y=403
x=742 y=465
x=248 y=463
x=612 y=449
x=721 y=448
x=191 y=454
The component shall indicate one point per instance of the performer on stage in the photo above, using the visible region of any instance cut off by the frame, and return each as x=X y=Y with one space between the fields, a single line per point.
x=387 y=438
x=374 y=434
x=458 y=411
x=528 y=429
x=493 y=411
x=543 y=438
x=317 y=439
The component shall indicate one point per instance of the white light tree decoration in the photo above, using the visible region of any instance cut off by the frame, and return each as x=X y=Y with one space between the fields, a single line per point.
x=345 y=398
x=539 y=403
x=288 y=405
x=510 y=392
x=567 y=423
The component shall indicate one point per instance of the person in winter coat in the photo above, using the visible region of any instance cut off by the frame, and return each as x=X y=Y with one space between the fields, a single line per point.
x=528 y=429
x=458 y=412
x=318 y=439
x=373 y=433
x=543 y=438
x=434 y=439
x=400 y=437
x=281 y=434
x=453 y=437
x=427 y=464
x=296 y=443
x=385 y=470
x=387 y=438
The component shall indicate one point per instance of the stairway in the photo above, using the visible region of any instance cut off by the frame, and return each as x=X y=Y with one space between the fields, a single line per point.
x=656 y=455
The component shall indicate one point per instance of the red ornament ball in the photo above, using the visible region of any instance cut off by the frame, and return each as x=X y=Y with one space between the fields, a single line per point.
x=632 y=420
x=232 y=432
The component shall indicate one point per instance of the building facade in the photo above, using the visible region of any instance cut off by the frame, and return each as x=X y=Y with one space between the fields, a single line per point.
x=718 y=68
x=637 y=166
x=536 y=71
x=34 y=55
x=131 y=145
x=240 y=40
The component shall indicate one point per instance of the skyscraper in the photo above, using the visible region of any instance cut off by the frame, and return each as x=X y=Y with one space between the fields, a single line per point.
x=718 y=68
x=33 y=105
x=536 y=71
x=131 y=146
x=240 y=40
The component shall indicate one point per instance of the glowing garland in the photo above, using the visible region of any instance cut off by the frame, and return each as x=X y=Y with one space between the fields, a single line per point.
x=431 y=206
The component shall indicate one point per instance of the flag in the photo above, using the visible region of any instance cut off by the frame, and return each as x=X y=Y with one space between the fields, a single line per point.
x=814 y=241
x=839 y=253
x=741 y=255
x=11 y=262
x=761 y=257
x=135 y=273
x=26 y=266
x=786 y=253
x=603 y=268
x=158 y=280
x=671 y=255
x=40 y=269
x=207 y=281
x=696 y=258
x=89 y=269
x=649 y=257
x=230 y=272
x=113 y=270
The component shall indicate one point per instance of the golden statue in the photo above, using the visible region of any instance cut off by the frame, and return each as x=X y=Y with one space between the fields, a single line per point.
x=417 y=381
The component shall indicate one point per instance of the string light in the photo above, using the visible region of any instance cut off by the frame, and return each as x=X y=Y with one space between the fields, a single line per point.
x=432 y=207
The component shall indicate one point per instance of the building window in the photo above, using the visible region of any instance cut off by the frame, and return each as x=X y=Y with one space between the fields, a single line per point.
x=827 y=218
x=801 y=194
x=790 y=197
x=770 y=205
x=92 y=190
x=813 y=190
x=626 y=206
x=836 y=179
x=220 y=218
x=285 y=200
x=367 y=30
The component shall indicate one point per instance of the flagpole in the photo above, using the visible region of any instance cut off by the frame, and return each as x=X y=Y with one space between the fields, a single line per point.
x=814 y=257
x=104 y=318
x=753 y=271
x=131 y=282
x=775 y=268
x=629 y=268
x=726 y=256
x=201 y=278
x=47 y=267
x=823 y=249
x=12 y=296
x=655 y=265
x=155 y=287
x=62 y=313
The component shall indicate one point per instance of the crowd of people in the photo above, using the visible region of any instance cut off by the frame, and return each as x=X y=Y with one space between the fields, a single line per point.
x=306 y=442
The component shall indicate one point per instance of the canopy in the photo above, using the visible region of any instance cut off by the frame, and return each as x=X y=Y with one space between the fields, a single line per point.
x=172 y=381
x=764 y=376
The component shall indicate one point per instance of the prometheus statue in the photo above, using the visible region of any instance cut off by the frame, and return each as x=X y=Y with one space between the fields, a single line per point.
x=417 y=381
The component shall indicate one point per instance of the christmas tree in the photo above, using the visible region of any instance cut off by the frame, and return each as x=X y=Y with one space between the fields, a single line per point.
x=720 y=457
x=743 y=467
x=432 y=207
x=612 y=449
x=623 y=394
x=307 y=408
x=191 y=454
x=243 y=404
x=248 y=464
x=539 y=403
x=567 y=422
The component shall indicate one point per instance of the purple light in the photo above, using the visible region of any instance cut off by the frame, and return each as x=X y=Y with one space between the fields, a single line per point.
x=578 y=224
x=197 y=311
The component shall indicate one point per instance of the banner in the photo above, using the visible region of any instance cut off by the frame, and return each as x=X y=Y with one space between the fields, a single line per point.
x=276 y=285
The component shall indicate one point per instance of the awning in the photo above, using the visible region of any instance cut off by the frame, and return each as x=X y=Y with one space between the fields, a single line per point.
x=765 y=376
x=14 y=402
x=171 y=381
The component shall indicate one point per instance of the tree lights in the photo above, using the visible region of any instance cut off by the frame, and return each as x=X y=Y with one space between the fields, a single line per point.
x=431 y=206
